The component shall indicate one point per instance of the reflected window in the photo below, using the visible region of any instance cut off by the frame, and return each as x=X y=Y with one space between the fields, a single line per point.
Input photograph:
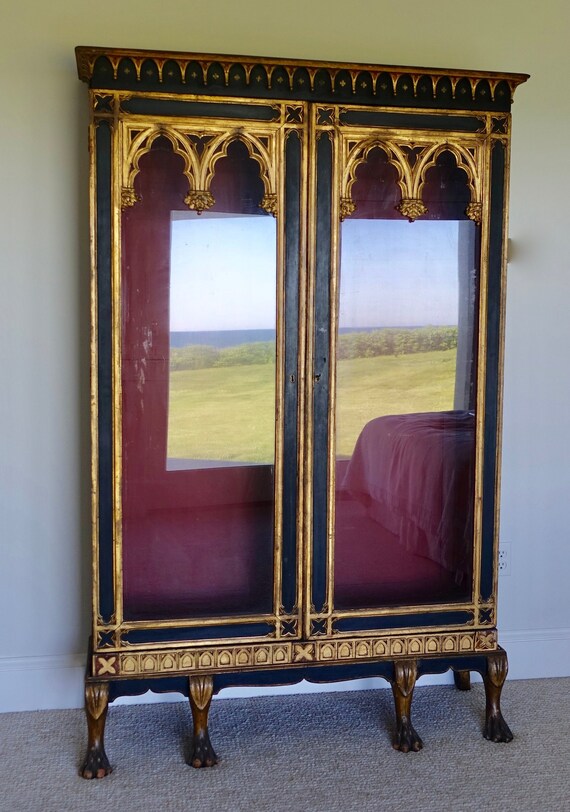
x=398 y=321
x=405 y=425
x=222 y=340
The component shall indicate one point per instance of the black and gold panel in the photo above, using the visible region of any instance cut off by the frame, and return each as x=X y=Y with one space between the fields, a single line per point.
x=102 y=428
x=494 y=306
x=199 y=317
x=319 y=378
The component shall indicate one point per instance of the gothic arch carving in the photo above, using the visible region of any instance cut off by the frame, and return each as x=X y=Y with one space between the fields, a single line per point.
x=411 y=174
x=262 y=154
x=141 y=143
x=358 y=154
x=465 y=160
x=199 y=168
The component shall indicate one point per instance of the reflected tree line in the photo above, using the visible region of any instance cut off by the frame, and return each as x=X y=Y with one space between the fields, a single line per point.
x=358 y=344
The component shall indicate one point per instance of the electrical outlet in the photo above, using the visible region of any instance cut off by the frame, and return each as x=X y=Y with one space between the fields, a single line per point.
x=504 y=558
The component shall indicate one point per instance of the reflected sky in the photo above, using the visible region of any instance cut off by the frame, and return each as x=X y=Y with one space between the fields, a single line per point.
x=394 y=273
x=222 y=271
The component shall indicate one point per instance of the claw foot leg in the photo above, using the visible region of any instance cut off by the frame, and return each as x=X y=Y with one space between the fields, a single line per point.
x=201 y=691
x=406 y=739
x=496 y=729
x=96 y=763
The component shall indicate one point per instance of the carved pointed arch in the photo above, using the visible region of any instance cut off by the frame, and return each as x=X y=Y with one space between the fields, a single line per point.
x=262 y=153
x=141 y=143
x=358 y=154
x=466 y=160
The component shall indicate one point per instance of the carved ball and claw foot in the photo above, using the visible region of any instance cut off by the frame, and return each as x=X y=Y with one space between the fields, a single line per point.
x=96 y=763
x=406 y=739
x=496 y=729
x=201 y=691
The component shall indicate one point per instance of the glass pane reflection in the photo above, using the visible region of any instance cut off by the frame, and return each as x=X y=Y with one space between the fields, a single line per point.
x=222 y=340
x=404 y=412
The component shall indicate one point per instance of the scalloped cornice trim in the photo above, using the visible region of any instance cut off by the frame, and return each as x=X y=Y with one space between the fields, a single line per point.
x=136 y=67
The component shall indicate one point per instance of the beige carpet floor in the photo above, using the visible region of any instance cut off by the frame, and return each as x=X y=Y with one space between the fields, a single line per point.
x=311 y=753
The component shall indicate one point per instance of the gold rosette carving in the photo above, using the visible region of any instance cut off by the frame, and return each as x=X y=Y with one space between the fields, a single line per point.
x=475 y=212
x=269 y=204
x=411 y=208
x=199 y=201
x=128 y=197
x=347 y=207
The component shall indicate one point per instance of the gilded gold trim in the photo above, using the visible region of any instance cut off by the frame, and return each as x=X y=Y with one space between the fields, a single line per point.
x=184 y=623
x=286 y=653
x=380 y=611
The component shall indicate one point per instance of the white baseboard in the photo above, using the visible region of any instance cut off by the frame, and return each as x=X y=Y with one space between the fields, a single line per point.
x=41 y=683
x=56 y=682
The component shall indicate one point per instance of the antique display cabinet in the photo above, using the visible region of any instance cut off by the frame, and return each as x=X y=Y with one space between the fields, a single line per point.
x=297 y=323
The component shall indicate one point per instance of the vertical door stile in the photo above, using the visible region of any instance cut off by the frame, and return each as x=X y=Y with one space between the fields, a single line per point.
x=321 y=365
x=120 y=151
x=501 y=362
x=308 y=445
x=482 y=369
x=292 y=233
x=278 y=493
x=102 y=354
x=334 y=283
x=302 y=361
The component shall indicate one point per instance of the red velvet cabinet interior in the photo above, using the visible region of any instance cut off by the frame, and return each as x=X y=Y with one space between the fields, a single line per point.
x=297 y=304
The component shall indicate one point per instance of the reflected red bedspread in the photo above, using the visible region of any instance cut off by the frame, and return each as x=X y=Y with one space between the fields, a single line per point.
x=414 y=472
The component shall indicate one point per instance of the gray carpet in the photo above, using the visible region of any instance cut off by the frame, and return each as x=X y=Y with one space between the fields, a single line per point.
x=312 y=753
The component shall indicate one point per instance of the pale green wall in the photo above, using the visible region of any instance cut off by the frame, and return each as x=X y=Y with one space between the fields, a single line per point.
x=44 y=491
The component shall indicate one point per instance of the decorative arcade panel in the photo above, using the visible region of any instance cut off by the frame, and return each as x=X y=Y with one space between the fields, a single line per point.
x=297 y=303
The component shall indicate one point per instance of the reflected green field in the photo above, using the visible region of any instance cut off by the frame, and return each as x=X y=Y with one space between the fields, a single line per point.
x=229 y=413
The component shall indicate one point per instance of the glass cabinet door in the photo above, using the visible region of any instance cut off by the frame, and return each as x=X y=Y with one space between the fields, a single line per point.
x=203 y=401
x=400 y=395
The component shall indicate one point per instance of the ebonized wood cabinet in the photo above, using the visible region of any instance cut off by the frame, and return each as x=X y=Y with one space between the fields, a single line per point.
x=297 y=299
